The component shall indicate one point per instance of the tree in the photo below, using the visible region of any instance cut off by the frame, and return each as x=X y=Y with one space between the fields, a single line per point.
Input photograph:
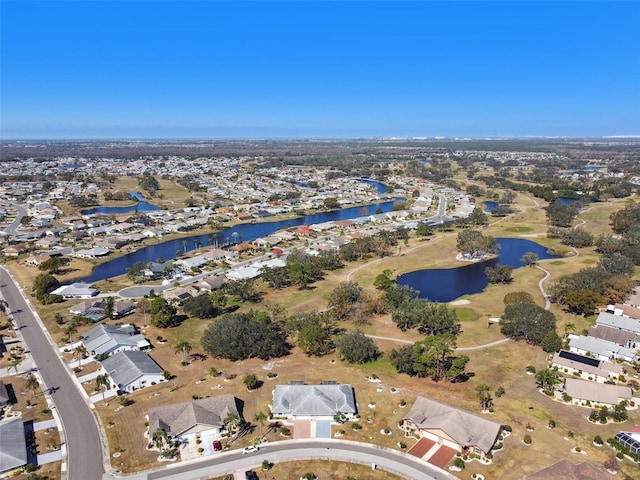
x=243 y=289
x=528 y=322
x=383 y=281
x=582 y=301
x=477 y=217
x=107 y=307
x=136 y=271
x=250 y=381
x=260 y=417
x=79 y=352
x=499 y=274
x=315 y=339
x=356 y=347
x=237 y=336
x=546 y=379
x=530 y=259
x=483 y=392
x=275 y=277
x=512 y=298
x=102 y=384
x=43 y=284
x=69 y=331
x=475 y=245
x=159 y=437
x=551 y=342
x=14 y=363
x=162 y=313
x=31 y=382
x=54 y=264
x=331 y=203
x=430 y=318
x=200 y=306
x=560 y=215
x=343 y=298
x=183 y=348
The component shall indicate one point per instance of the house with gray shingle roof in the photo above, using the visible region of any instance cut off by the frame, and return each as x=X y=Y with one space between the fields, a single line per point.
x=13 y=445
x=323 y=401
x=453 y=427
x=596 y=394
x=110 y=339
x=205 y=416
x=132 y=370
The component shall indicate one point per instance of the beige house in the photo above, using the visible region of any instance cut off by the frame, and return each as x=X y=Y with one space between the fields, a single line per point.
x=587 y=368
x=597 y=394
x=458 y=429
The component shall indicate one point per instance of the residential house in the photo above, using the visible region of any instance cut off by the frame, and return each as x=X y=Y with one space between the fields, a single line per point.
x=219 y=255
x=202 y=417
x=211 y=283
x=180 y=294
x=196 y=262
x=455 y=428
x=566 y=470
x=91 y=252
x=15 y=250
x=597 y=394
x=13 y=445
x=623 y=338
x=132 y=370
x=601 y=349
x=76 y=290
x=587 y=368
x=619 y=322
x=319 y=402
x=110 y=339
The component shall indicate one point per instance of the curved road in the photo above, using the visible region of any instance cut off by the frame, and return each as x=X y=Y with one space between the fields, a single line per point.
x=401 y=464
x=81 y=432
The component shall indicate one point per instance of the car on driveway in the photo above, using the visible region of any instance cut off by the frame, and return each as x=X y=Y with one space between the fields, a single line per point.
x=250 y=449
x=217 y=445
x=251 y=475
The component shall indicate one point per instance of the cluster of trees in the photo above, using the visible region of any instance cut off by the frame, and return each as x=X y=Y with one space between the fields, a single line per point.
x=474 y=244
x=302 y=269
x=83 y=201
x=573 y=237
x=524 y=320
x=432 y=357
x=43 y=285
x=149 y=183
x=238 y=336
x=54 y=264
x=561 y=215
x=163 y=313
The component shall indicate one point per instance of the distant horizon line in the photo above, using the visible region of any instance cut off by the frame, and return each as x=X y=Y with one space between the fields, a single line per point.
x=310 y=137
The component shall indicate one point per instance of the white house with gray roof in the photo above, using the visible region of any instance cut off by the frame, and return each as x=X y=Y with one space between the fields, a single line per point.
x=132 y=370
x=452 y=427
x=76 y=290
x=601 y=349
x=618 y=322
x=110 y=339
x=319 y=402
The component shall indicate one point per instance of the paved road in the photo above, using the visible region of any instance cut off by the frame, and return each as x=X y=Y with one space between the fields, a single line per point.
x=12 y=229
x=82 y=439
x=404 y=465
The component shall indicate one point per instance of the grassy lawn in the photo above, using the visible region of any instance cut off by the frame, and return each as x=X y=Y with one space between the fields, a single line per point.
x=500 y=366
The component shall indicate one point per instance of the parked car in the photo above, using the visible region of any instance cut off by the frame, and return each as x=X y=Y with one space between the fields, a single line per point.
x=250 y=449
x=251 y=475
x=217 y=445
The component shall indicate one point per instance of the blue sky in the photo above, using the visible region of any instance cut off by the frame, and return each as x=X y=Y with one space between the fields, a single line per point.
x=125 y=69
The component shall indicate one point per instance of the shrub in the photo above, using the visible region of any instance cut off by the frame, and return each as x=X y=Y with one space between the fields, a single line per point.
x=527 y=439
x=356 y=426
x=531 y=369
x=459 y=463
x=598 y=440
x=552 y=423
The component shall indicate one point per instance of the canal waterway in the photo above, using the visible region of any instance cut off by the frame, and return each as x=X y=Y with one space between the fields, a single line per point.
x=447 y=284
x=244 y=232
x=140 y=206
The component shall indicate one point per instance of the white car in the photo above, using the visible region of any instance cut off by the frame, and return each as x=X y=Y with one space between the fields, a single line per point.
x=250 y=449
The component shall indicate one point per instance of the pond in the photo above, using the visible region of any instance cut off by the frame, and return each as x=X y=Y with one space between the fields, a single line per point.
x=244 y=232
x=140 y=206
x=447 y=284
x=490 y=205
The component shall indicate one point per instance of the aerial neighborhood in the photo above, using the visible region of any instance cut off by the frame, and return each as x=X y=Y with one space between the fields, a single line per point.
x=468 y=311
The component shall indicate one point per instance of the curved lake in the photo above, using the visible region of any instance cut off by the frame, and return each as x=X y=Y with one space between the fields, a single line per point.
x=140 y=206
x=242 y=232
x=446 y=284
x=490 y=205
x=379 y=186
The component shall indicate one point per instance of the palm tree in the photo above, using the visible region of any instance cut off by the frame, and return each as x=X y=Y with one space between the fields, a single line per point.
x=32 y=383
x=231 y=422
x=158 y=438
x=79 y=352
x=102 y=383
x=14 y=363
x=260 y=417
x=184 y=245
x=183 y=347
x=107 y=308
x=69 y=331
x=484 y=395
